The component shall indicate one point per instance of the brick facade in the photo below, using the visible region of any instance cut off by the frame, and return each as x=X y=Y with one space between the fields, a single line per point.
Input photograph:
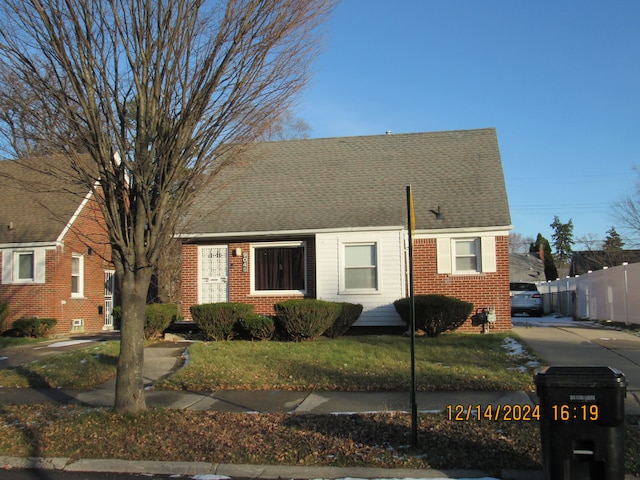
x=239 y=280
x=483 y=290
x=53 y=299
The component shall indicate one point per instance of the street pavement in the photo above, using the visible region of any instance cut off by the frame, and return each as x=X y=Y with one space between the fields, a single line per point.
x=555 y=341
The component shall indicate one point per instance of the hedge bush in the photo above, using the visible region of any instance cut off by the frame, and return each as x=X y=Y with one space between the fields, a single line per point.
x=157 y=318
x=218 y=321
x=4 y=314
x=34 y=327
x=258 y=327
x=435 y=314
x=304 y=319
x=349 y=313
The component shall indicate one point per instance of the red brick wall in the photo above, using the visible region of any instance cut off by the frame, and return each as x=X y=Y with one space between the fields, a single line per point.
x=483 y=290
x=239 y=280
x=52 y=299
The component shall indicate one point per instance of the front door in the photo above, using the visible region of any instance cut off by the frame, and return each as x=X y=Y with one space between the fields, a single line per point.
x=109 y=287
x=214 y=274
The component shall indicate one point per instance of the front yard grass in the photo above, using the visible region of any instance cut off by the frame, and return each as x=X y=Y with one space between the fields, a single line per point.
x=82 y=368
x=354 y=363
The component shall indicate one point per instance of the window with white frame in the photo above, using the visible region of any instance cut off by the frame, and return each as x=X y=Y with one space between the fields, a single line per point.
x=77 y=275
x=24 y=266
x=360 y=267
x=279 y=267
x=467 y=255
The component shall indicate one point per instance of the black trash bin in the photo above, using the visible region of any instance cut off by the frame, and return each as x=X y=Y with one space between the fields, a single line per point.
x=582 y=421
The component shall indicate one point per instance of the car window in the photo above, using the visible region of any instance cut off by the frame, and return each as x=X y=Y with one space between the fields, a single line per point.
x=523 y=287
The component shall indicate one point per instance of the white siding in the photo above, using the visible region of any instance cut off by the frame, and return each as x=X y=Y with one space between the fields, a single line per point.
x=377 y=306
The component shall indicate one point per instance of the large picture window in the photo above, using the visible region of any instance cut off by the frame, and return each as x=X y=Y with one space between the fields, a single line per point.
x=360 y=267
x=279 y=268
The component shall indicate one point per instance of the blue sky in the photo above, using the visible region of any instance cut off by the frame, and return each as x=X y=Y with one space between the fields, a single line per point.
x=559 y=80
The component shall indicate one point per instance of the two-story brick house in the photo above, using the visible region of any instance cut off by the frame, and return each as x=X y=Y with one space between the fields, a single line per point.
x=54 y=253
x=327 y=218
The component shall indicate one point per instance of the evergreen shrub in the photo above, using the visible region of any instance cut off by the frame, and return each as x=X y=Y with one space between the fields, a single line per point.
x=303 y=319
x=258 y=327
x=218 y=321
x=157 y=318
x=435 y=314
x=34 y=327
x=349 y=313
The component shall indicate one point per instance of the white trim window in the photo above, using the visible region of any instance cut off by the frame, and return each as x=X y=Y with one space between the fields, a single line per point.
x=464 y=256
x=279 y=268
x=77 y=275
x=23 y=266
x=360 y=271
x=466 y=253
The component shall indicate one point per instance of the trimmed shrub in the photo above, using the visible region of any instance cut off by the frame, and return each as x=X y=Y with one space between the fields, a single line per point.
x=304 y=319
x=435 y=314
x=258 y=327
x=218 y=320
x=349 y=313
x=4 y=313
x=157 y=318
x=34 y=327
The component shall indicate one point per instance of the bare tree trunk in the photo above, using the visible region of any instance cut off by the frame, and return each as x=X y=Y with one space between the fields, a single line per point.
x=129 y=378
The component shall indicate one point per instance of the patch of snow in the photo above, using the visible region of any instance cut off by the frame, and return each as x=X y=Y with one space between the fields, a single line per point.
x=67 y=343
x=4 y=358
x=210 y=476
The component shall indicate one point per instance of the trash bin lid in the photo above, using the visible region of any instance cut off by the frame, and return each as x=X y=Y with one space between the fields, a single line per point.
x=579 y=376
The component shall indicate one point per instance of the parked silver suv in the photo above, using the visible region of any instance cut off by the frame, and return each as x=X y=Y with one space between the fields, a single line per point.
x=525 y=298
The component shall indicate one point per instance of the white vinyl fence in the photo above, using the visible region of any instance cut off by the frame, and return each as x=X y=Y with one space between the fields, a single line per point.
x=609 y=294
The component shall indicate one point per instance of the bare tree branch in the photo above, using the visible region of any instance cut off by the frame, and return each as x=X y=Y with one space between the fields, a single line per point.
x=153 y=92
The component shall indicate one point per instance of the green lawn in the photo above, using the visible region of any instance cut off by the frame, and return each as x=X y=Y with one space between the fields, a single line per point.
x=356 y=363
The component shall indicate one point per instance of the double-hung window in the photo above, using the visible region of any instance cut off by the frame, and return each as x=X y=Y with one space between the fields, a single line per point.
x=360 y=267
x=279 y=267
x=24 y=263
x=77 y=275
x=467 y=255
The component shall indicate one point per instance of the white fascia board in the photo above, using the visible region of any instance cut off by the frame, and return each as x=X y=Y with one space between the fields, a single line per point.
x=15 y=246
x=288 y=233
x=75 y=215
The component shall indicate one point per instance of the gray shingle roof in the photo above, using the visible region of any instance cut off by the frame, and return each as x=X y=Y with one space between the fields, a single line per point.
x=39 y=205
x=357 y=182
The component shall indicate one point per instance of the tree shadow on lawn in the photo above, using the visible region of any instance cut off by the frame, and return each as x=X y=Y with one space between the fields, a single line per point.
x=442 y=443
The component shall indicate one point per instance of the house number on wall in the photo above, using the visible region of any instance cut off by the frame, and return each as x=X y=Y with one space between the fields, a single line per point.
x=245 y=261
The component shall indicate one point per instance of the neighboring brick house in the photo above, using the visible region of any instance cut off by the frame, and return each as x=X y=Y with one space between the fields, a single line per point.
x=53 y=248
x=327 y=218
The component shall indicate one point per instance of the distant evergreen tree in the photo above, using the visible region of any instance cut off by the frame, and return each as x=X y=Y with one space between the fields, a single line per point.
x=542 y=247
x=562 y=239
x=612 y=242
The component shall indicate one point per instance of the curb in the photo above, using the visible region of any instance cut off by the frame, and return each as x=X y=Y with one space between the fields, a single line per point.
x=266 y=472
